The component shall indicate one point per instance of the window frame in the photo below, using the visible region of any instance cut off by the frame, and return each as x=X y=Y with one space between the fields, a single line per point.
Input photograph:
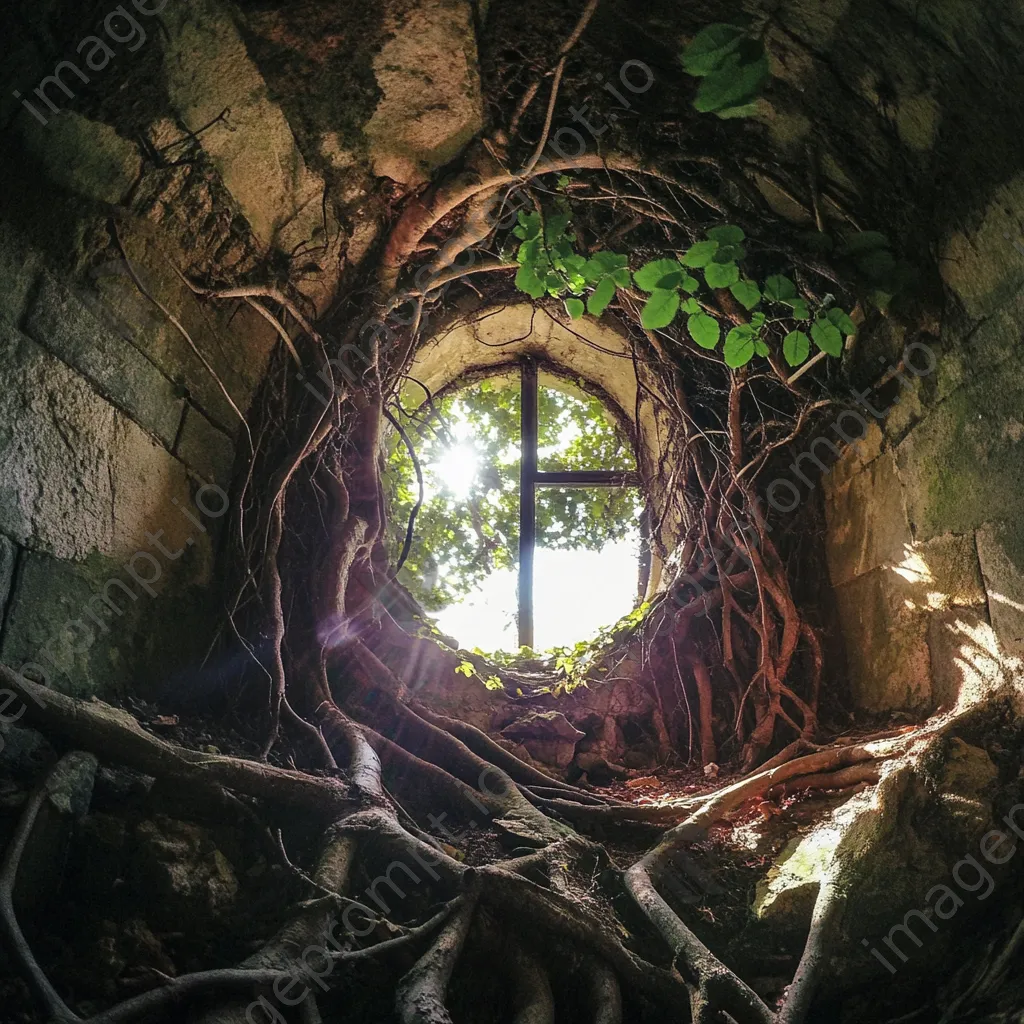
x=530 y=478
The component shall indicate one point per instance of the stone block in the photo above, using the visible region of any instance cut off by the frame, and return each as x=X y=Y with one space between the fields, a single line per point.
x=204 y=448
x=885 y=621
x=233 y=339
x=961 y=466
x=60 y=322
x=432 y=103
x=867 y=522
x=20 y=265
x=966 y=663
x=1000 y=551
x=77 y=475
x=208 y=69
x=86 y=157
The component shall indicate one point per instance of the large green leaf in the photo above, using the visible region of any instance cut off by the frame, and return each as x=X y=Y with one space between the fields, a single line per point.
x=727 y=234
x=827 y=337
x=746 y=293
x=700 y=255
x=721 y=275
x=528 y=281
x=800 y=309
x=779 y=288
x=660 y=310
x=842 y=321
x=690 y=305
x=574 y=307
x=739 y=346
x=600 y=297
x=737 y=81
x=796 y=347
x=650 y=274
x=704 y=330
x=710 y=47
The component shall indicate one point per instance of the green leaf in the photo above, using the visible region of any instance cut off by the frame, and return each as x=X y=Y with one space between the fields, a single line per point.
x=603 y=263
x=800 y=309
x=727 y=234
x=660 y=310
x=670 y=281
x=704 y=330
x=689 y=284
x=730 y=254
x=622 y=277
x=555 y=227
x=699 y=255
x=827 y=337
x=739 y=346
x=600 y=297
x=690 y=305
x=863 y=242
x=736 y=81
x=554 y=284
x=757 y=321
x=796 y=347
x=528 y=281
x=746 y=293
x=710 y=47
x=760 y=348
x=650 y=274
x=574 y=307
x=779 y=288
x=842 y=321
x=529 y=226
x=721 y=275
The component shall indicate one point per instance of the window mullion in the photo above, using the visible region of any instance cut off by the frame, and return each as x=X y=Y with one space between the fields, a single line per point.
x=527 y=498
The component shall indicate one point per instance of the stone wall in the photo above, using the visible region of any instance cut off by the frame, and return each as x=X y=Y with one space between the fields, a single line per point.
x=220 y=143
x=926 y=535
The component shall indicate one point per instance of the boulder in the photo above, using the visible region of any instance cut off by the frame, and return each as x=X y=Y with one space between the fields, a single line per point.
x=547 y=735
x=180 y=873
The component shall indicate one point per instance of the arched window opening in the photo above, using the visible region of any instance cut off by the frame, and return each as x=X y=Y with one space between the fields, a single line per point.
x=530 y=532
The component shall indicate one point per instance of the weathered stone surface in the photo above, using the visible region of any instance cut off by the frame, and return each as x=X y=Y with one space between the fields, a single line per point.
x=966 y=662
x=547 y=735
x=93 y=628
x=233 y=339
x=1000 y=553
x=982 y=266
x=785 y=896
x=86 y=157
x=885 y=624
x=961 y=464
x=77 y=475
x=20 y=265
x=950 y=568
x=432 y=104
x=118 y=370
x=204 y=448
x=856 y=456
x=8 y=556
x=180 y=873
x=867 y=522
x=209 y=69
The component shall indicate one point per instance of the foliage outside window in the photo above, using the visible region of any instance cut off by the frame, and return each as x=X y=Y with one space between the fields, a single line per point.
x=467 y=443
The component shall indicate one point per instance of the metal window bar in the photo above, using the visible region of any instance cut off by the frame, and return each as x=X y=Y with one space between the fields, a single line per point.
x=530 y=479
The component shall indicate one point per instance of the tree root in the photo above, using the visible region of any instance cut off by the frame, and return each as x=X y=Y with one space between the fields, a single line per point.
x=115 y=734
x=421 y=992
